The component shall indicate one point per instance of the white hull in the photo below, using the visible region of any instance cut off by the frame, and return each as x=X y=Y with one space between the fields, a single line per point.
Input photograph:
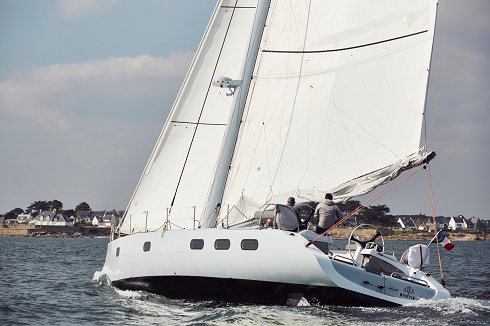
x=281 y=270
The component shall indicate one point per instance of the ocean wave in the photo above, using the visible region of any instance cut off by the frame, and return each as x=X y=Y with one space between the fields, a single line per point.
x=455 y=305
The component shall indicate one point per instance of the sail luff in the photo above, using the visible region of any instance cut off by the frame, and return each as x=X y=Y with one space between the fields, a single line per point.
x=216 y=192
x=424 y=122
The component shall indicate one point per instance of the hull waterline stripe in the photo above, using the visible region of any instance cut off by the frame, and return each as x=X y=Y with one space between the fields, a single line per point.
x=247 y=291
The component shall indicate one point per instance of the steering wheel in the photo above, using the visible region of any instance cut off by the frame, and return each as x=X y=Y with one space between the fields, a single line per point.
x=302 y=207
x=370 y=244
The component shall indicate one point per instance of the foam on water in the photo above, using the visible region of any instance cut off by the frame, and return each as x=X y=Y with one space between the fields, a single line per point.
x=455 y=305
x=98 y=275
x=303 y=303
x=128 y=293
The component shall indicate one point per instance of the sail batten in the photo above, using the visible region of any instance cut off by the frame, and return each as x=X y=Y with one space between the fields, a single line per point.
x=346 y=48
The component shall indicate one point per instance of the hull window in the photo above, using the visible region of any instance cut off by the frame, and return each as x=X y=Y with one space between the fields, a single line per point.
x=147 y=246
x=378 y=266
x=249 y=244
x=197 y=244
x=117 y=251
x=222 y=244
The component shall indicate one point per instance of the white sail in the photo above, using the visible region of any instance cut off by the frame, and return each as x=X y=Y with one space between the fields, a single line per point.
x=176 y=181
x=336 y=102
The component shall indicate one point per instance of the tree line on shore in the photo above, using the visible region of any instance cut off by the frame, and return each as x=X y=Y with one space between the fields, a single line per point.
x=375 y=214
x=39 y=206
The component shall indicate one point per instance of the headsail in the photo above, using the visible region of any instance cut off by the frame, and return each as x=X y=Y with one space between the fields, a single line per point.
x=336 y=101
x=176 y=181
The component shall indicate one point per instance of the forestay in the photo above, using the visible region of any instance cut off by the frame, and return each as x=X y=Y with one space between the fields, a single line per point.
x=178 y=175
x=336 y=102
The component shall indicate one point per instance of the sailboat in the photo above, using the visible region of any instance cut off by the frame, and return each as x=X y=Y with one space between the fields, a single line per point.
x=282 y=99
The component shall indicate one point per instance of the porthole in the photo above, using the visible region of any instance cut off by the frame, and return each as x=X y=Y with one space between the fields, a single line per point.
x=222 y=244
x=197 y=244
x=249 y=244
x=147 y=246
x=117 y=251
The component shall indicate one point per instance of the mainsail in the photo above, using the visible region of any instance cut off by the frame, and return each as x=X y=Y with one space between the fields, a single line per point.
x=336 y=102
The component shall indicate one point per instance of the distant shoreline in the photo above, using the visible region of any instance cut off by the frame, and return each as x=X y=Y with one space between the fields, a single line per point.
x=55 y=231
x=388 y=234
x=336 y=234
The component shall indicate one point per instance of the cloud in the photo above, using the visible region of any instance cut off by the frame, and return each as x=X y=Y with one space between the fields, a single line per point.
x=83 y=131
x=51 y=97
x=83 y=7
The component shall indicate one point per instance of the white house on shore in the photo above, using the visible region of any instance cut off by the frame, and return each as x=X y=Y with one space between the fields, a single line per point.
x=101 y=222
x=50 y=218
x=24 y=218
x=104 y=218
x=407 y=223
x=458 y=223
x=440 y=223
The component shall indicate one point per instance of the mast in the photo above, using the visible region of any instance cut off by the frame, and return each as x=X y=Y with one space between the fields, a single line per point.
x=216 y=192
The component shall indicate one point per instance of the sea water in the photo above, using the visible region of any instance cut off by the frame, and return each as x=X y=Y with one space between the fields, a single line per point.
x=57 y=281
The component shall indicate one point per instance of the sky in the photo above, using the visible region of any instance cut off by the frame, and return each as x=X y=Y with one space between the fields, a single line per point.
x=86 y=85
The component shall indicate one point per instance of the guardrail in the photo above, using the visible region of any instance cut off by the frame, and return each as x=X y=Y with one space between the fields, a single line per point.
x=171 y=217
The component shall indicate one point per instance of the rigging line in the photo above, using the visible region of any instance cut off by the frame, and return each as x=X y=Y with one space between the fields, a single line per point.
x=237 y=7
x=347 y=48
x=307 y=140
x=227 y=214
x=366 y=203
x=253 y=156
x=199 y=123
x=326 y=132
x=202 y=109
x=354 y=161
x=262 y=130
x=268 y=162
x=432 y=205
x=360 y=125
x=295 y=94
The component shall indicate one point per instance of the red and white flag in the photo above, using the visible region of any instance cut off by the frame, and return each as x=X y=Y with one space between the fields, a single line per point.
x=442 y=240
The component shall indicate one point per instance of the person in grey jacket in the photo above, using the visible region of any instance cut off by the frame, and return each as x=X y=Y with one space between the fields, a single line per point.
x=326 y=213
